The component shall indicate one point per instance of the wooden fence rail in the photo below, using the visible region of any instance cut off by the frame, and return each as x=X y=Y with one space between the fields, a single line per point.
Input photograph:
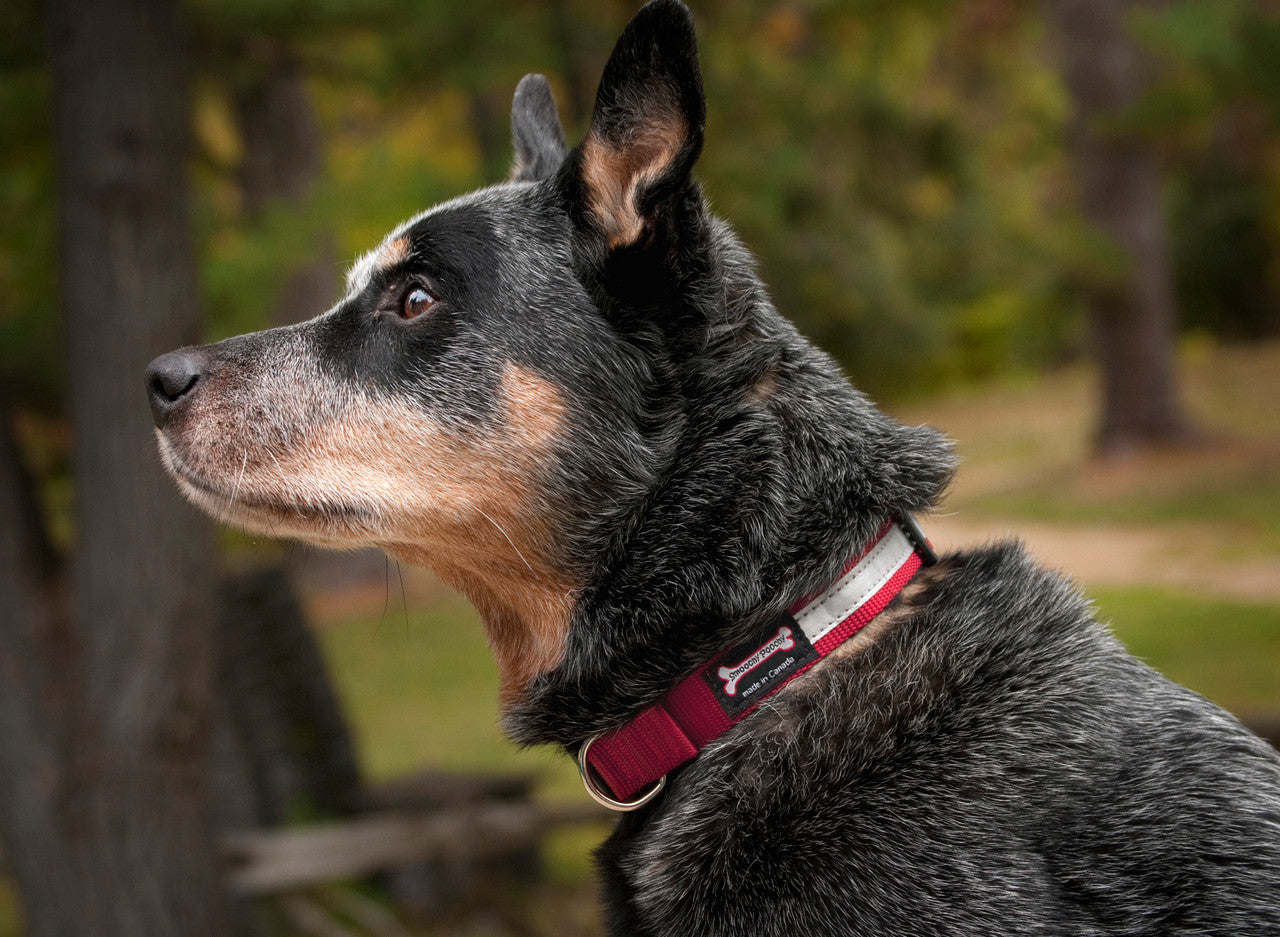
x=275 y=861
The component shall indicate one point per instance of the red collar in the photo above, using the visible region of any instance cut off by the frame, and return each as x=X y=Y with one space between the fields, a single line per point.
x=619 y=764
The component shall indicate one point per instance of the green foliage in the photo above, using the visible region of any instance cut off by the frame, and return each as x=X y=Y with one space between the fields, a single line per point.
x=29 y=364
x=1215 y=111
x=243 y=265
x=892 y=166
x=898 y=167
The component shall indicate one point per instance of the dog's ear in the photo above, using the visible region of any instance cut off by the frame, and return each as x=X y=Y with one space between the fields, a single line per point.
x=646 y=128
x=535 y=131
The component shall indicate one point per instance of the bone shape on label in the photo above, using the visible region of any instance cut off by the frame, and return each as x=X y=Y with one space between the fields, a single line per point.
x=782 y=641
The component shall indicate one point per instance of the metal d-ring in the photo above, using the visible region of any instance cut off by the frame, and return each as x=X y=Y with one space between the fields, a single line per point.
x=600 y=797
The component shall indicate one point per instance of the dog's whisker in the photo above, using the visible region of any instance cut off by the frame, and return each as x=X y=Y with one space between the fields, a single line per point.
x=404 y=599
x=509 y=540
x=235 y=489
x=386 y=590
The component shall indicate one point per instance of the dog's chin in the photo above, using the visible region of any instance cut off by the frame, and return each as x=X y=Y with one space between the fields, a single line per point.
x=324 y=523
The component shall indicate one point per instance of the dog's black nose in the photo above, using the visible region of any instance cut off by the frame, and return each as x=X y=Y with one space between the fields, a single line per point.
x=170 y=379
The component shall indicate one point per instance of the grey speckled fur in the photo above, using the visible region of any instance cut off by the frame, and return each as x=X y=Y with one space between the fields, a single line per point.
x=996 y=764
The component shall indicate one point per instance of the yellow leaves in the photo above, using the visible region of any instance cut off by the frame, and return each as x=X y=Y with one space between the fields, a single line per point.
x=215 y=128
x=929 y=196
x=388 y=162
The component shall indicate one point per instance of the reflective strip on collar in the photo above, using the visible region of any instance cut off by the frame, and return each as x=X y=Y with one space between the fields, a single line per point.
x=707 y=703
x=822 y=615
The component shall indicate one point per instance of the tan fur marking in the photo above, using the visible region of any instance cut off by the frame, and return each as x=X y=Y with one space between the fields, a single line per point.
x=613 y=175
x=468 y=504
x=393 y=252
x=526 y=621
x=764 y=388
x=502 y=565
x=535 y=409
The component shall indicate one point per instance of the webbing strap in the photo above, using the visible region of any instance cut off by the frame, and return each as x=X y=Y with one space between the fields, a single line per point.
x=707 y=703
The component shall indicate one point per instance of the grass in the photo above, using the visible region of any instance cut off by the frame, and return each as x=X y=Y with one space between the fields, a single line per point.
x=1226 y=651
x=421 y=689
x=1248 y=504
x=1025 y=450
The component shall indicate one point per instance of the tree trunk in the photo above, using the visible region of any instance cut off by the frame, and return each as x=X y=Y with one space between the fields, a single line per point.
x=35 y=655
x=288 y=752
x=1135 y=313
x=106 y=710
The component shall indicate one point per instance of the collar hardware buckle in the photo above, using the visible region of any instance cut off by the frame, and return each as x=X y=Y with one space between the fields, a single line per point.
x=600 y=797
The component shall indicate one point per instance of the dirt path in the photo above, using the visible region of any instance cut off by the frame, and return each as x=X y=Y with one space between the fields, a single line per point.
x=1188 y=556
x=1182 y=556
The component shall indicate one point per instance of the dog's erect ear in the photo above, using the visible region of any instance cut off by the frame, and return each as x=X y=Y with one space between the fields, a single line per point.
x=535 y=131
x=647 y=126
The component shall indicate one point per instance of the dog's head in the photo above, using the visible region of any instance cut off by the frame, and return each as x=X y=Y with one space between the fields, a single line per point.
x=511 y=375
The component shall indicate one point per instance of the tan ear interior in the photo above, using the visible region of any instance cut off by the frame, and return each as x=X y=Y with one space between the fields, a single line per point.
x=615 y=170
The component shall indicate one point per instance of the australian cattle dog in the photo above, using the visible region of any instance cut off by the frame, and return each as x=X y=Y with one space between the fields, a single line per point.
x=692 y=545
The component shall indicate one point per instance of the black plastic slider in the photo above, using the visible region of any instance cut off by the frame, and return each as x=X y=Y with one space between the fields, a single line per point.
x=909 y=526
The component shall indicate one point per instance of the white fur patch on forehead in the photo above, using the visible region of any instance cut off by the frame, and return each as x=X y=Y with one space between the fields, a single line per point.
x=368 y=264
x=394 y=249
x=361 y=272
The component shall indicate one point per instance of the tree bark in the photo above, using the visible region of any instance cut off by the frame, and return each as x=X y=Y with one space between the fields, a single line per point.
x=35 y=652
x=288 y=750
x=1134 y=314
x=106 y=710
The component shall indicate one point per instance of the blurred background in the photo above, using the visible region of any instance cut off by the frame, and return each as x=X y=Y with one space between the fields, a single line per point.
x=1050 y=228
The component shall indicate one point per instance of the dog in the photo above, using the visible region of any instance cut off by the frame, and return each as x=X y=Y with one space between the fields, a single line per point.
x=692 y=545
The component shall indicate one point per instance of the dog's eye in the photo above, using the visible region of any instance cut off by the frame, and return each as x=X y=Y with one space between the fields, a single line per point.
x=416 y=301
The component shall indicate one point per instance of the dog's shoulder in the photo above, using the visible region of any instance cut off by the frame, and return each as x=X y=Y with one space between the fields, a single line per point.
x=994 y=754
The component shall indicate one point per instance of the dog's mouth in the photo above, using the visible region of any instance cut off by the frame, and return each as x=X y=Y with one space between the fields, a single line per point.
x=320 y=520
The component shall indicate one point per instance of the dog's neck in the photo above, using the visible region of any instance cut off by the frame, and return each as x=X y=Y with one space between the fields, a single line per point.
x=794 y=481
x=707 y=704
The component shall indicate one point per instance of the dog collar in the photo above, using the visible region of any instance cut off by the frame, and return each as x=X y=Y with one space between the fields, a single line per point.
x=616 y=766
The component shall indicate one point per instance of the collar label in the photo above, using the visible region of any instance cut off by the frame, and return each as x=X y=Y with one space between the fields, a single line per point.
x=747 y=673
